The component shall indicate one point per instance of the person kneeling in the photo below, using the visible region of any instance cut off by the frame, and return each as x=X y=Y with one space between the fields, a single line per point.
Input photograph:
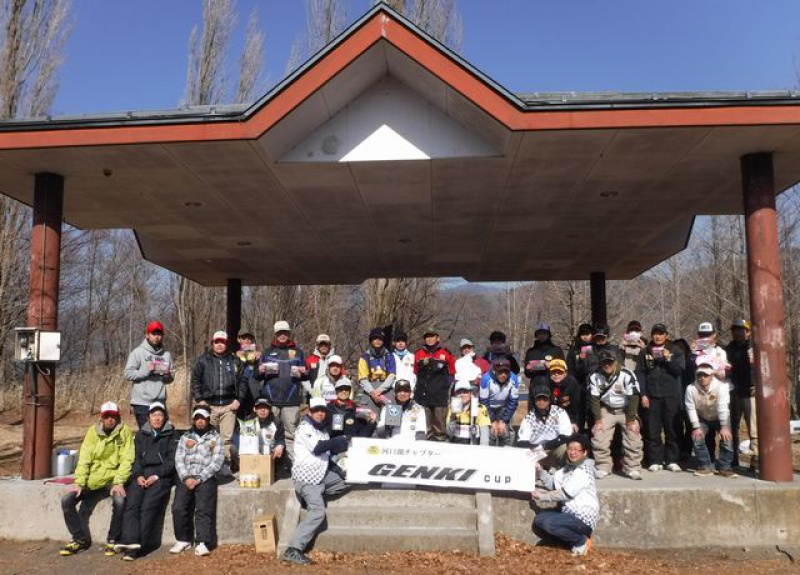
x=573 y=488
x=315 y=476
x=198 y=459
x=545 y=429
x=467 y=421
x=404 y=419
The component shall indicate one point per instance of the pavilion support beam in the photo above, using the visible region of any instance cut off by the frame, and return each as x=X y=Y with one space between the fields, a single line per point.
x=234 y=312
x=40 y=379
x=597 y=290
x=767 y=313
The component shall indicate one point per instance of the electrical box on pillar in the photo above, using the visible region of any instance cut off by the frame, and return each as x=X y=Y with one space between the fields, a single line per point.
x=37 y=345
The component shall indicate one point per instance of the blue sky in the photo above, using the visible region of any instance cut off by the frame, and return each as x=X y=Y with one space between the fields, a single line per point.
x=131 y=54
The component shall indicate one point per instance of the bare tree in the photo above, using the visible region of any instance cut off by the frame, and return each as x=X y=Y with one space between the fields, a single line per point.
x=251 y=61
x=439 y=18
x=206 y=78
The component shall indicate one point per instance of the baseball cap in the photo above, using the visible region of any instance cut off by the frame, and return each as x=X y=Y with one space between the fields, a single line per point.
x=540 y=391
x=335 y=359
x=154 y=326
x=558 y=365
x=659 y=328
x=402 y=384
x=463 y=384
x=262 y=401
x=220 y=335
x=343 y=383
x=376 y=333
x=607 y=356
x=634 y=325
x=109 y=408
x=400 y=336
x=543 y=327
x=201 y=411
x=706 y=369
x=246 y=333
x=740 y=323
x=601 y=330
x=466 y=342
x=317 y=403
x=157 y=406
x=706 y=327
x=501 y=364
x=430 y=331
x=323 y=338
x=281 y=326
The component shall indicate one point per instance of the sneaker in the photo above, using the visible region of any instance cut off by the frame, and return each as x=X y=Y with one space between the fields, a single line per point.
x=674 y=467
x=201 y=550
x=600 y=474
x=180 y=547
x=704 y=472
x=655 y=467
x=130 y=556
x=729 y=473
x=126 y=547
x=583 y=550
x=635 y=475
x=73 y=547
x=293 y=555
x=108 y=549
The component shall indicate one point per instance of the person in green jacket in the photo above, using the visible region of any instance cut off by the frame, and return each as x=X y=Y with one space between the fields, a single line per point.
x=104 y=466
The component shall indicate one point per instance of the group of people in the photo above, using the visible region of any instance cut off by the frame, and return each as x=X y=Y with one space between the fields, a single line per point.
x=666 y=397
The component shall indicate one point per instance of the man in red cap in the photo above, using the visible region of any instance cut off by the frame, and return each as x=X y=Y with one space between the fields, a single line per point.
x=150 y=369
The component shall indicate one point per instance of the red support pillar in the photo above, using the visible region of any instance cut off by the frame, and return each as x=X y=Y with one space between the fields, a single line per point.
x=234 y=312
x=39 y=389
x=766 y=309
x=597 y=290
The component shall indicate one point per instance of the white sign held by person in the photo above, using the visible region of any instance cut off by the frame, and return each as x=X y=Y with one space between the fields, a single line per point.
x=440 y=464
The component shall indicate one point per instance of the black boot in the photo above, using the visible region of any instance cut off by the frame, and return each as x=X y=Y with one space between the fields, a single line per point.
x=293 y=555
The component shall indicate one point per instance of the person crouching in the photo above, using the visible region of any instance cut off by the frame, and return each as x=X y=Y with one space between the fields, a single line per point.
x=315 y=476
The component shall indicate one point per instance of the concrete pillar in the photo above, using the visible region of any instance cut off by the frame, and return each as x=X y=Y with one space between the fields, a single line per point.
x=597 y=289
x=39 y=388
x=767 y=313
x=234 y=312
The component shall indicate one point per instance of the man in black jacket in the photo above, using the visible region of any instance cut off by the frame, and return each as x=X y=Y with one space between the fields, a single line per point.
x=538 y=358
x=151 y=481
x=219 y=382
x=565 y=392
x=659 y=370
x=743 y=392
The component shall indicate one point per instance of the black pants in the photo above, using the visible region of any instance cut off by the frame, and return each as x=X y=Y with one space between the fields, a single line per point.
x=144 y=511
x=77 y=520
x=194 y=513
x=142 y=414
x=664 y=414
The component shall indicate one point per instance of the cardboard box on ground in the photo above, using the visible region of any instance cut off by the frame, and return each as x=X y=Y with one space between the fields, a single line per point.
x=261 y=465
x=265 y=533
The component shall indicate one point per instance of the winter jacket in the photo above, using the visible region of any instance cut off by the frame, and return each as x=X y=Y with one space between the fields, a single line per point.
x=344 y=421
x=199 y=455
x=413 y=425
x=592 y=362
x=547 y=430
x=435 y=368
x=218 y=380
x=574 y=487
x=317 y=365
x=324 y=387
x=270 y=430
x=567 y=395
x=149 y=386
x=467 y=370
x=376 y=370
x=404 y=366
x=658 y=377
x=576 y=365
x=501 y=350
x=712 y=404
x=155 y=452
x=538 y=356
x=617 y=391
x=313 y=448
x=500 y=400
x=284 y=371
x=739 y=355
x=105 y=458
x=471 y=426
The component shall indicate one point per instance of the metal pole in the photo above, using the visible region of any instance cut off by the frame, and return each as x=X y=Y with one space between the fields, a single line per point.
x=39 y=388
x=597 y=289
x=234 y=312
x=767 y=312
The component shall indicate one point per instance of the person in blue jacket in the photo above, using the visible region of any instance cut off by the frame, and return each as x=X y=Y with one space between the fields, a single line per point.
x=499 y=392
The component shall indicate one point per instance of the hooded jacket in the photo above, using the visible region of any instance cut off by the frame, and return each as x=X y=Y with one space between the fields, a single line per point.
x=283 y=387
x=712 y=404
x=155 y=452
x=500 y=400
x=149 y=386
x=218 y=379
x=105 y=458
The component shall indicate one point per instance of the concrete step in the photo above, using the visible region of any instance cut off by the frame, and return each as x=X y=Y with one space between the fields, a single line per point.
x=396 y=516
x=371 y=540
x=420 y=498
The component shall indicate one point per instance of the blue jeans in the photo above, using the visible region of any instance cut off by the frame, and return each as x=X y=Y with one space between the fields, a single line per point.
x=704 y=447
x=561 y=527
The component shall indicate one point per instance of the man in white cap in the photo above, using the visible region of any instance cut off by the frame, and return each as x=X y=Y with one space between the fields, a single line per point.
x=198 y=459
x=468 y=421
x=283 y=370
x=219 y=382
x=466 y=369
x=707 y=405
x=326 y=384
x=708 y=352
x=317 y=361
x=315 y=477
x=104 y=467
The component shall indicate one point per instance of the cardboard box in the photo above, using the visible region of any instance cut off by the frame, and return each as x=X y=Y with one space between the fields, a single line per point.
x=261 y=465
x=248 y=444
x=265 y=533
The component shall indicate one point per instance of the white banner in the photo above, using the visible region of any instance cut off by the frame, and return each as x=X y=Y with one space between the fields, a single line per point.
x=440 y=464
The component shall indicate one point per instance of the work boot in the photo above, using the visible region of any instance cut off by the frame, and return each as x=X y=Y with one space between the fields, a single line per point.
x=296 y=556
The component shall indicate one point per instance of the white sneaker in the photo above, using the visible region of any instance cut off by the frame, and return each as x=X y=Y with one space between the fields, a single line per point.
x=600 y=474
x=674 y=467
x=635 y=475
x=180 y=547
x=201 y=550
x=582 y=550
x=655 y=467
